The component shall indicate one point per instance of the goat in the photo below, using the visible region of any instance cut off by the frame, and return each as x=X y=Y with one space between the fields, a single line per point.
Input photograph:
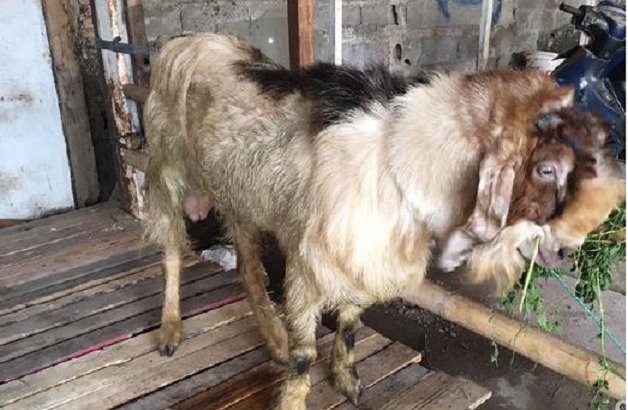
x=355 y=172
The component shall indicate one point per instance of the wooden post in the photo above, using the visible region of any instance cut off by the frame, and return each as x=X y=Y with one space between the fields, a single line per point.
x=561 y=357
x=124 y=115
x=485 y=34
x=137 y=35
x=301 y=32
x=69 y=81
x=338 y=32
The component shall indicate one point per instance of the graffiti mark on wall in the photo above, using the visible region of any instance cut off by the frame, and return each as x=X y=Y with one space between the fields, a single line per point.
x=443 y=7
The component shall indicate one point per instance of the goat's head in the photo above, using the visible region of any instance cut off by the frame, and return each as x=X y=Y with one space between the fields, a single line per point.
x=558 y=182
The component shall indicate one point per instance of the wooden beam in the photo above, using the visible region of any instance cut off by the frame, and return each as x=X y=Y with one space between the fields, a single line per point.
x=301 y=32
x=136 y=159
x=137 y=35
x=543 y=348
x=74 y=117
x=135 y=93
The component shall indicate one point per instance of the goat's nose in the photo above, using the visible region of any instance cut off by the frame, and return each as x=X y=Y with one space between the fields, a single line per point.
x=562 y=254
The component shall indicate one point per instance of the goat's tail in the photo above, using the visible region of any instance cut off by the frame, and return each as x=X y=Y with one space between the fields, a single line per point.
x=165 y=121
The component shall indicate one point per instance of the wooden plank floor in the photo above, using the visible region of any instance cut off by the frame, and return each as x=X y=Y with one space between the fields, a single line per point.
x=80 y=304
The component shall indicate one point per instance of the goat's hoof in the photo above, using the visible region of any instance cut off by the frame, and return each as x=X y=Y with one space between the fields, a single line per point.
x=347 y=381
x=169 y=337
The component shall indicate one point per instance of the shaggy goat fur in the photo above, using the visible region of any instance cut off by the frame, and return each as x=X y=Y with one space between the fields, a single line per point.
x=355 y=173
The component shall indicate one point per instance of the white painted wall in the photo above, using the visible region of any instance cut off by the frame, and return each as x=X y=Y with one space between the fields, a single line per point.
x=34 y=169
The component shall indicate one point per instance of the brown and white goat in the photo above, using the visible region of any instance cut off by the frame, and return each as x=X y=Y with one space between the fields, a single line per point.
x=355 y=173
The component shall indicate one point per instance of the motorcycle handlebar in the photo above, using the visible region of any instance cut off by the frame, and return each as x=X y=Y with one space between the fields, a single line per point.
x=571 y=10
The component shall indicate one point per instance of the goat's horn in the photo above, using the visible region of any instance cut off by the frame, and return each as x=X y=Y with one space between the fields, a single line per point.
x=548 y=120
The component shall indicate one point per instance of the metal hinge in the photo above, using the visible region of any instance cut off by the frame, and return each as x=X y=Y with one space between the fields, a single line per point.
x=118 y=47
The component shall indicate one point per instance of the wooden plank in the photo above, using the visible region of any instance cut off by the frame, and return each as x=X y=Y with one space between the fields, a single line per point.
x=145 y=373
x=53 y=237
x=48 y=288
x=389 y=388
x=74 y=118
x=123 y=305
x=141 y=375
x=437 y=391
x=193 y=389
x=110 y=310
x=114 y=333
x=263 y=380
x=112 y=355
x=301 y=32
x=265 y=398
x=4 y=223
x=75 y=252
x=92 y=288
x=181 y=390
x=36 y=232
x=371 y=370
x=59 y=219
x=88 y=313
x=56 y=240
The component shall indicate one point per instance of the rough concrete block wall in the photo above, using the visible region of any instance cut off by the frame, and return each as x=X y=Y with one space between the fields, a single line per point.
x=404 y=34
x=263 y=22
x=528 y=25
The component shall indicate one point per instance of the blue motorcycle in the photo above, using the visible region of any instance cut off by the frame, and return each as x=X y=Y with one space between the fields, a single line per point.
x=597 y=70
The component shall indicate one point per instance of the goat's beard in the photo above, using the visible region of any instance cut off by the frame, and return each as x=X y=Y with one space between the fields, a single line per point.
x=497 y=265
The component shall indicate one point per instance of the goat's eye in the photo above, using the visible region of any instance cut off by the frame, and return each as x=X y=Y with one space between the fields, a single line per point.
x=546 y=171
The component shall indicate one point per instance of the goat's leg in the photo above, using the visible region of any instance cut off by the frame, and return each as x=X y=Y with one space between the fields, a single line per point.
x=342 y=361
x=302 y=312
x=164 y=225
x=247 y=243
x=170 y=331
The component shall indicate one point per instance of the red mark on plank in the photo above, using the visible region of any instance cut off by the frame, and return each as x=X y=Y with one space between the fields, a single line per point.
x=97 y=346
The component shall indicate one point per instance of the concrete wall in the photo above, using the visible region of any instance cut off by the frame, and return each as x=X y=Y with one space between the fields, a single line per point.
x=263 y=22
x=405 y=34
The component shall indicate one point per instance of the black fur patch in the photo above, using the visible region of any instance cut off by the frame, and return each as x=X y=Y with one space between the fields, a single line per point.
x=334 y=91
x=349 y=339
x=302 y=367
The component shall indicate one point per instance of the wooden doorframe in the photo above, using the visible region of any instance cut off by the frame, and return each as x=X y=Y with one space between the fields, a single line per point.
x=72 y=104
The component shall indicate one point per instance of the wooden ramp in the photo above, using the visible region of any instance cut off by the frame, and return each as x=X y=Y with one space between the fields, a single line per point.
x=80 y=304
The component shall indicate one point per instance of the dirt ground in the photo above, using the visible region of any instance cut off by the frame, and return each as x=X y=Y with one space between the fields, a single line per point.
x=516 y=382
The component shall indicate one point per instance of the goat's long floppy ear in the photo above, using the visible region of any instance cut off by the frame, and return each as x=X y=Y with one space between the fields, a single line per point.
x=494 y=194
x=495 y=188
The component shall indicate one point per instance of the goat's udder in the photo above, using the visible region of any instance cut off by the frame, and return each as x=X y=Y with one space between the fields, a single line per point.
x=196 y=206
